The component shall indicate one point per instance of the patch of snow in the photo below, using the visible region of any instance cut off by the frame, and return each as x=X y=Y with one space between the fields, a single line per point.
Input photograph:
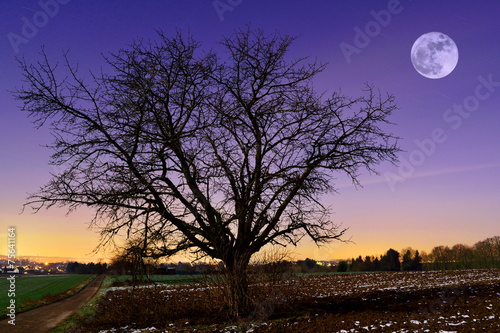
x=457 y=324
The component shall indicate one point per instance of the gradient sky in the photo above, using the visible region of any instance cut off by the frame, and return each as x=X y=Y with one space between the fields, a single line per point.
x=447 y=188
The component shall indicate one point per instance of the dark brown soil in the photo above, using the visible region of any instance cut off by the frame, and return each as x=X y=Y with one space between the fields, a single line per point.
x=446 y=301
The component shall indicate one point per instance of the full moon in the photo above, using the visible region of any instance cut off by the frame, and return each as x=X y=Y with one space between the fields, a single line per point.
x=434 y=55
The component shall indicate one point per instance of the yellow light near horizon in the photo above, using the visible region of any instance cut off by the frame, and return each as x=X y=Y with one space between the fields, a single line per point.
x=49 y=243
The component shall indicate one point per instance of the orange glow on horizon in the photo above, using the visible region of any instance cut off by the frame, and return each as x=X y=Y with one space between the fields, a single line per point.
x=54 y=234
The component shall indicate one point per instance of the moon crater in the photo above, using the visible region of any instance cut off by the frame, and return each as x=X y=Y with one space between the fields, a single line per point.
x=434 y=55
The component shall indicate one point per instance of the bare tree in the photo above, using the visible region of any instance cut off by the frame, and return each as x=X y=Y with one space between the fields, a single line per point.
x=195 y=152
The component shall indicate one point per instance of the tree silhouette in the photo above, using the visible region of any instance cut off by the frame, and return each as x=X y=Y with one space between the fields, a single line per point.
x=407 y=261
x=342 y=266
x=308 y=265
x=390 y=261
x=197 y=152
x=416 y=263
x=376 y=264
x=358 y=265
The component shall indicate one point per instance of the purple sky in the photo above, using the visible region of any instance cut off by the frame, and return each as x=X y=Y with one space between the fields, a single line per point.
x=447 y=189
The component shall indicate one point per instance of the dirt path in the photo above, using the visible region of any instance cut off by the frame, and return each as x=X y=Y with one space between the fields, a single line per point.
x=46 y=317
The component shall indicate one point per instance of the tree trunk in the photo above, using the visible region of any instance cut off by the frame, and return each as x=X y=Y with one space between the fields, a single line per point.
x=237 y=283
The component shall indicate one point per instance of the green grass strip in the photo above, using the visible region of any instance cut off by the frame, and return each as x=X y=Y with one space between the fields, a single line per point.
x=33 y=291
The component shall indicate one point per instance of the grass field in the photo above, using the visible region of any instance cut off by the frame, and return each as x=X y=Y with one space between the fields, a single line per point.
x=163 y=279
x=32 y=291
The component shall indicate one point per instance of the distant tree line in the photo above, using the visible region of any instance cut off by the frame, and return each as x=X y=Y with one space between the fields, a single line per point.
x=484 y=254
x=126 y=267
x=390 y=261
x=90 y=268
